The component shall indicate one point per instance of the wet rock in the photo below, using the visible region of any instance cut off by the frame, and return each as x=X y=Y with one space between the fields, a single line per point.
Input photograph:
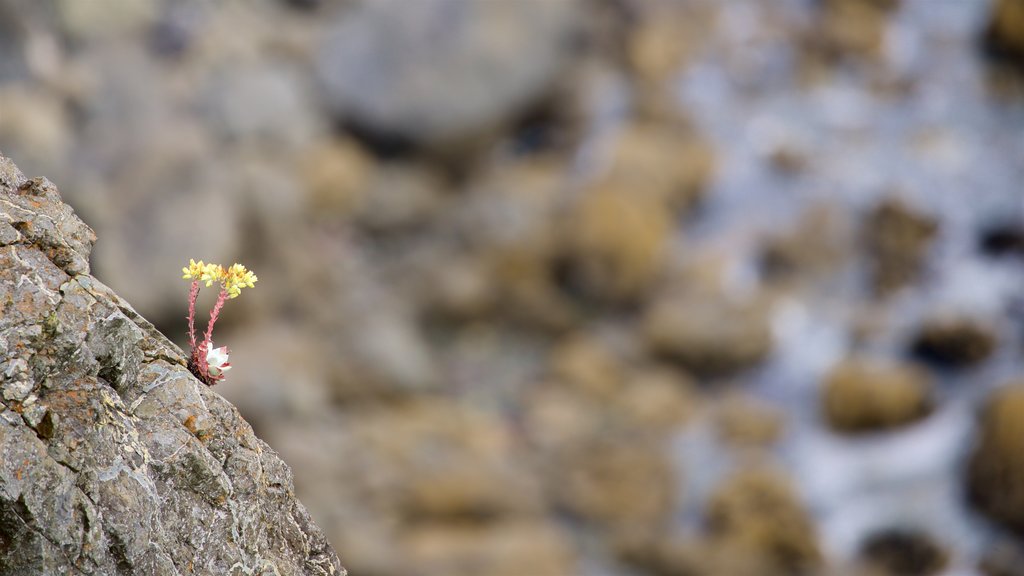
x=614 y=481
x=710 y=335
x=508 y=550
x=616 y=243
x=443 y=70
x=954 y=342
x=1004 y=36
x=113 y=457
x=862 y=395
x=756 y=514
x=788 y=259
x=902 y=552
x=995 y=472
x=743 y=420
x=852 y=29
x=664 y=159
x=1003 y=239
x=514 y=224
x=897 y=240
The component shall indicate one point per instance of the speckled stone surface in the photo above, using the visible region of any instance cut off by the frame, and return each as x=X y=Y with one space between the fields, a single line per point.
x=113 y=458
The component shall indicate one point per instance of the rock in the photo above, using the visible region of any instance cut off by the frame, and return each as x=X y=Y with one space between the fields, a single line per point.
x=897 y=240
x=1004 y=37
x=788 y=259
x=756 y=513
x=865 y=396
x=615 y=481
x=616 y=242
x=105 y=19
x=711 y=335
x=902 y=552
x=511 y=549
x=1003 y=239
x=663 y=159
x=848 y=29
x=995 y=472
x=512 y=220
x=441 y=71
x=113 y=457
x=954 y=342
x=336 y=175
x=744 y=420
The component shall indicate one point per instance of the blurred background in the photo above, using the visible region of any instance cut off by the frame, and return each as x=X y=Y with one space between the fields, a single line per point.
x=578 y=287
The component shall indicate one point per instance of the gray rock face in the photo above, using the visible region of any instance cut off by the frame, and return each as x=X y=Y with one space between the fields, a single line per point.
x=436 y=71
x=113 y=458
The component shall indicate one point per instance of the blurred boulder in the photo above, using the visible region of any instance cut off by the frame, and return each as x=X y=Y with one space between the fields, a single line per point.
x=711 y=335
x=954 y=342
x=744 y=420
x=1004 y=36
x=664 y=159
x=903 y=552
x=995 y=472
x=616 y=243
x=441 y=71
x=511 y=549
x=615 y=481
x=756 y=514
x=897 y=240
x=863 y=395
x=1003 y=238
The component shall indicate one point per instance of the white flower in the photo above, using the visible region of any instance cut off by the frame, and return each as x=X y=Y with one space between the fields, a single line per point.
x=217 y=360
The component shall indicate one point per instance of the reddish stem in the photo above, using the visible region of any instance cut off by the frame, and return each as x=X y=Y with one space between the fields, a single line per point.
x=221 y=298
x=193 y=294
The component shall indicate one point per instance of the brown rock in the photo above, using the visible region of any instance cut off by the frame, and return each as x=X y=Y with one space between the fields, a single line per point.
x=899 y=552
x=662 y=159
x=757 y=513
x=616 y=242
x=709 y=335
x=615 y=482
x=897 y=240
x=1005 y=34
x=862 y=396
x=852 y=28
x=510 y=549
x=336 y=175
x=995 y=477
x=746 y=421
x=954 y=342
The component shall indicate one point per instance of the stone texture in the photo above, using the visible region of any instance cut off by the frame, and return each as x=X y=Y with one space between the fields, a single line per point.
x=897 y=240
x=862 y=395
x=995 y=477
x=113 y=458
x=442 y=70
x=954 y=342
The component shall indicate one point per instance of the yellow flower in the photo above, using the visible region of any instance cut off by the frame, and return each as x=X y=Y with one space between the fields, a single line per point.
x=236 y=278
x=212 y=273
x=231 y=280
x=194 y=270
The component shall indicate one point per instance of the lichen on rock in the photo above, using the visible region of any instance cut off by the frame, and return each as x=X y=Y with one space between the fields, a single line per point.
x=113 y=458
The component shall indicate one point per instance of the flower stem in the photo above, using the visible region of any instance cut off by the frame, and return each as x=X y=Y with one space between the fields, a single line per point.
x=193 y=294
x=221 y=298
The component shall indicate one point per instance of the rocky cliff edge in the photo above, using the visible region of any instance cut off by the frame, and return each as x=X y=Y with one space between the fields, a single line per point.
x=114 y=459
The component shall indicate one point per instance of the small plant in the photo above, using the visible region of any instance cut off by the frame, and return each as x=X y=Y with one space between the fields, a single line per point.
x=208 y=363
